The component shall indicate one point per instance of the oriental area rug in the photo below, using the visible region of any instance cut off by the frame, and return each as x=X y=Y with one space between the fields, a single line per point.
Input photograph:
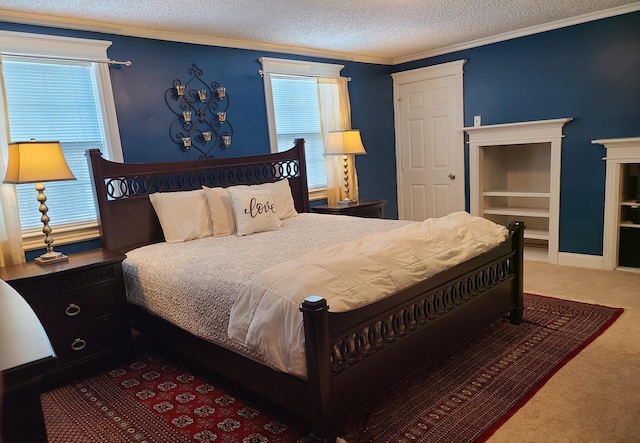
x=463 y=396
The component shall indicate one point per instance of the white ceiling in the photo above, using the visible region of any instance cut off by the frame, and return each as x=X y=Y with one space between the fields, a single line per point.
x=382 y=31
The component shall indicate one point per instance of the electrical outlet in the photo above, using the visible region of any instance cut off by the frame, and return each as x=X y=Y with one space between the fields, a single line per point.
x=476 y=120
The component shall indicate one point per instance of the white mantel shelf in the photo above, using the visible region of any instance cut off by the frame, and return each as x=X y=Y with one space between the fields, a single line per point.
x=618 y=142
x=522 y=132
x=620 y=149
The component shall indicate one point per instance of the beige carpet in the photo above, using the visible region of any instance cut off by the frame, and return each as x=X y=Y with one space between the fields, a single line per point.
x=596 y=396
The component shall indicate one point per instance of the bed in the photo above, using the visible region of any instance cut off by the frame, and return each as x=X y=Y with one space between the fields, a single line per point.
x=350 y=356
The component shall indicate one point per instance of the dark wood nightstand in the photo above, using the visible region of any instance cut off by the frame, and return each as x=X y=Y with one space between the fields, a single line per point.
x=82 y=306
x=363 y=208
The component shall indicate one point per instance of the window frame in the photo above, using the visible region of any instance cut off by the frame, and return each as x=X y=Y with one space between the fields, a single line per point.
x=294 y=68
x=33 y=46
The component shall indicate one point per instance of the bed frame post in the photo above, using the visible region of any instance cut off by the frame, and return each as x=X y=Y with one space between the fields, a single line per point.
x=99 y=188
x=517 y=229
x=299 y=145
x=316 y=331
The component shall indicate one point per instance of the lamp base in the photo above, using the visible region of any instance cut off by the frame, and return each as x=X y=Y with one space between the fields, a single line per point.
x=51 y=258
x=347 y=203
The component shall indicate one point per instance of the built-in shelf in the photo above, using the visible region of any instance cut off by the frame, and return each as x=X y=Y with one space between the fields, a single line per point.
x=523 y=194
x=514 y=175
x=518 y=212
x=536 y=234
x=621 y=238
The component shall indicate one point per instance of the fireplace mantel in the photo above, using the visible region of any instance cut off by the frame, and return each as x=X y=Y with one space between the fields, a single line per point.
x=623 y=154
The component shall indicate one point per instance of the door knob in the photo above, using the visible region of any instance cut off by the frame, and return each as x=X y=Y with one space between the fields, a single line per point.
x=452 y=176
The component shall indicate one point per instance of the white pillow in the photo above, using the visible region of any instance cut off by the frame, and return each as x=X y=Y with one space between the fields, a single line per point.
x=221 y=211
x=254 y=209
x=285 y=207
x=183 y=215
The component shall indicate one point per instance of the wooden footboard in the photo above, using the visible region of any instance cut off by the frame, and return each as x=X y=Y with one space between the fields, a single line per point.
x=354 y=356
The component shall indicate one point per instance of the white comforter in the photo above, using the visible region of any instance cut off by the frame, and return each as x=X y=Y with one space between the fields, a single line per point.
x=266 y=316
x=195 y=284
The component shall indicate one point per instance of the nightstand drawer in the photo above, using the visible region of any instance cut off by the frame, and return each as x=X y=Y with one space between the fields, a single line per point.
x=76 y=307
x=83 y=342
x=51 y=285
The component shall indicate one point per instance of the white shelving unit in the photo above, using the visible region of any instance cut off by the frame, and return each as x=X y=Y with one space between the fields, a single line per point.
x=623 y=165
x=514 y=174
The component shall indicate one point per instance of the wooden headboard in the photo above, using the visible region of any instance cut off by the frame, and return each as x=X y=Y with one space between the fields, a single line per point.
x=126 y=217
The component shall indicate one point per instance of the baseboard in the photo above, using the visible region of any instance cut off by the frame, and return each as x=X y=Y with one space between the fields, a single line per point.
x=580 y=260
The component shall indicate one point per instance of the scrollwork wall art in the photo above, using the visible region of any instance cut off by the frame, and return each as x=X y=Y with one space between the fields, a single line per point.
x=201 y=114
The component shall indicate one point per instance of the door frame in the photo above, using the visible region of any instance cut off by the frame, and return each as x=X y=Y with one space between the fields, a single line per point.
x=456 y=70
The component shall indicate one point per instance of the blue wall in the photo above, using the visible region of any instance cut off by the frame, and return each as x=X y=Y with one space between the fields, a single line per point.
x=144 y=118
x=590 y=72
x=143 y=115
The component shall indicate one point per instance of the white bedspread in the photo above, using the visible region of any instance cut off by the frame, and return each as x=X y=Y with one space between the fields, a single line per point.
x=195 y=284
x=266 y=315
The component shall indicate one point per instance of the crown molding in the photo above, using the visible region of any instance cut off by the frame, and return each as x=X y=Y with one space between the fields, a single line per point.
x=620 y=10
x=155 y=34
x=132 y=31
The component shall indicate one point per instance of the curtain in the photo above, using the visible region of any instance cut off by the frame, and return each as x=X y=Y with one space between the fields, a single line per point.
x=11 y=251
x=335 y=114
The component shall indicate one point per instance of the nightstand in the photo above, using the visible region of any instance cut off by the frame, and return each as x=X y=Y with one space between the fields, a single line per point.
x=363 y=208
x=82 y=306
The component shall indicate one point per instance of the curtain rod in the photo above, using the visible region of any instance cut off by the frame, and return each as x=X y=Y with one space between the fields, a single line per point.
x=261 y=73
x=53 y=57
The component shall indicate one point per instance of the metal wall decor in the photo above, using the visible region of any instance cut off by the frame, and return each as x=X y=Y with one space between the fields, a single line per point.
x=201 y=114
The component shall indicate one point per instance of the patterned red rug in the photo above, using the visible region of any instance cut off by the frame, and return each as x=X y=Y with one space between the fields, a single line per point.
x=464 y=396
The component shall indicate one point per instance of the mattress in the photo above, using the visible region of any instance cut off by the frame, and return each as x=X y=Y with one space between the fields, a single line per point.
x=243 y=292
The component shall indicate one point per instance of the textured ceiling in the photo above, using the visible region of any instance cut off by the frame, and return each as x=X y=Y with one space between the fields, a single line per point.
x=376 y=30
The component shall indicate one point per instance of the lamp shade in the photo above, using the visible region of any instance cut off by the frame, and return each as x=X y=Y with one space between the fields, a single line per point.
x=344 y=142
x=36 y=162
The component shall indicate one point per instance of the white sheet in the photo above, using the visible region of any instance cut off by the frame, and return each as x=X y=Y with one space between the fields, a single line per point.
x=266 y=315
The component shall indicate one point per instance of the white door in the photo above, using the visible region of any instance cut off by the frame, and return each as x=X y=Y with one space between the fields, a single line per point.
x=429 y=142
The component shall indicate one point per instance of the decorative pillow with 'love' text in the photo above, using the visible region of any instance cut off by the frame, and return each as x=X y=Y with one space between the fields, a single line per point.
x=255 y=210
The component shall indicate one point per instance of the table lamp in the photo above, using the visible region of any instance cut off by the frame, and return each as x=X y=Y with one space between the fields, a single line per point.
x=37 y=162
x=344 y=142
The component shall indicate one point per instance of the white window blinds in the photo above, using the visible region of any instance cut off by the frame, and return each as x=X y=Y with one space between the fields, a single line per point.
x=56 y=101
x=297 y=115
x=293 y=111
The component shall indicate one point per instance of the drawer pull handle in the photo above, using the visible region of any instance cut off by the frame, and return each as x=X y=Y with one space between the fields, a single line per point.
x=72 y=310
x=78 y=344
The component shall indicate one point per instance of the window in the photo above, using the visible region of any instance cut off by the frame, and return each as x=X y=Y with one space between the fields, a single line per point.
x=293 y=111
x=65 y=100
x=297 y=115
